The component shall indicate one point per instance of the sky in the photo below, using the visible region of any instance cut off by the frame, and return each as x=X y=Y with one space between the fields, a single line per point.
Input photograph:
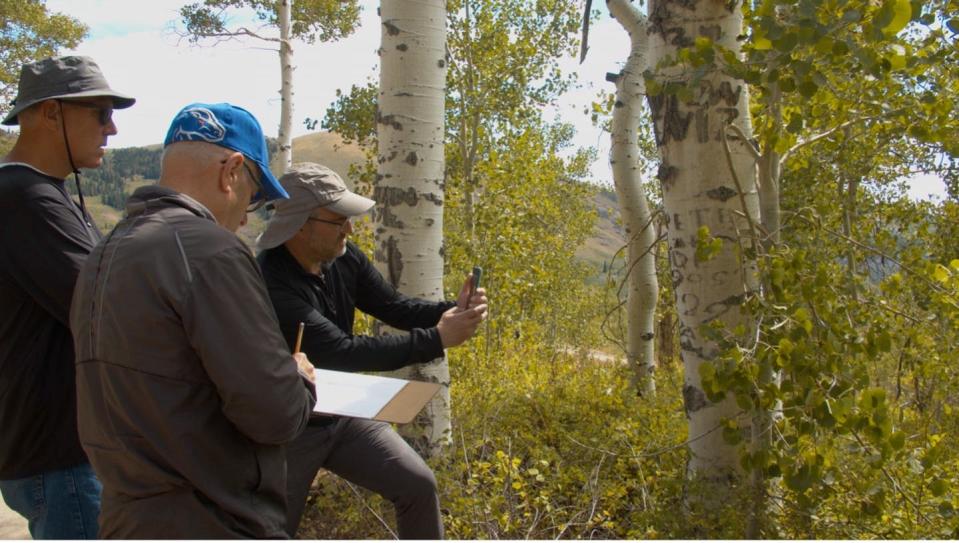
x=136 y=45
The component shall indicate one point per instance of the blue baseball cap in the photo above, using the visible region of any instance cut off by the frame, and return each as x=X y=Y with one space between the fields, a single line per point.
x=231 y=127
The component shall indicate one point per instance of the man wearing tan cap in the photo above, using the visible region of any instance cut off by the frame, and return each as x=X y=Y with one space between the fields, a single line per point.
x=64 y=108
x=316 y=276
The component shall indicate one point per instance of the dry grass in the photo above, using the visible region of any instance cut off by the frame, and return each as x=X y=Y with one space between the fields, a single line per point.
x=328 y=149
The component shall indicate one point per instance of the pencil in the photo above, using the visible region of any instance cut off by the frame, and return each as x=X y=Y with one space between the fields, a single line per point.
x=299 y=338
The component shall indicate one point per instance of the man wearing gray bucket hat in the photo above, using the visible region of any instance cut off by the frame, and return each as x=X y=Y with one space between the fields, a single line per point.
x=186 y=390
x=64 y=107
x=316 y=276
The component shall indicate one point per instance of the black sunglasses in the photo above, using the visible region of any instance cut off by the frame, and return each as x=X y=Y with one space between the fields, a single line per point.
x=104 y=113
x=261 y=201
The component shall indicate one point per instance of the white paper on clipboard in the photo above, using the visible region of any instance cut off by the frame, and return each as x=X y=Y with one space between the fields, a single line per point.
x=354 y=394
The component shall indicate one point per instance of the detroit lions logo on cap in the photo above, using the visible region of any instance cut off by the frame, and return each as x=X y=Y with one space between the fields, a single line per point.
x=199 y=124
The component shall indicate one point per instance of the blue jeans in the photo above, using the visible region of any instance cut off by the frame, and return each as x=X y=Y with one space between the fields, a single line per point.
x=61 y=504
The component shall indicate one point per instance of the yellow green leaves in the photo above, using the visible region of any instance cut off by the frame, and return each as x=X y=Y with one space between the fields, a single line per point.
x=801 y=475
x=938 y=487
x=901 y=14
x=941 y=273
x=30 y=32
x=732 y=433
x=802 y=318
x=897 y=57
x=707 y=246
x=761 y=43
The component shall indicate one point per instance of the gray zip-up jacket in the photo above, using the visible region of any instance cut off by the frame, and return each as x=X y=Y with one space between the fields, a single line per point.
x=186 y=390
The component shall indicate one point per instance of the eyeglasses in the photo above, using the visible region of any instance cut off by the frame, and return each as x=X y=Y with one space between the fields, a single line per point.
x=104 y=113
x=340 y=225
x=259 y=198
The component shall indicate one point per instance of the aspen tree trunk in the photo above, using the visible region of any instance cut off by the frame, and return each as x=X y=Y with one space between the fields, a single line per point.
x=703 y=187
x=643 y=287
x=409 y=185
x=284 y=19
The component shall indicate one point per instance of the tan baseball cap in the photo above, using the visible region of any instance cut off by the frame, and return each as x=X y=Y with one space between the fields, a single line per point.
x=310 y=186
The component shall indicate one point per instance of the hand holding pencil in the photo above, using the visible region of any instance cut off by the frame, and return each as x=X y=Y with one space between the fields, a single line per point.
x=302 y=362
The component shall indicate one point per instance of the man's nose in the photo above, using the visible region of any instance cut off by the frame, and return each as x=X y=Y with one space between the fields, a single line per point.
x=111 y=128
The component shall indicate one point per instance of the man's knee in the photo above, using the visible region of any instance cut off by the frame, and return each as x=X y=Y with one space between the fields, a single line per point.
x=419 y=483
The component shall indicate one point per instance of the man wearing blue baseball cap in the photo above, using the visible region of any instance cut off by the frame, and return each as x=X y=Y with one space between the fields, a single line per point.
x=186 y=390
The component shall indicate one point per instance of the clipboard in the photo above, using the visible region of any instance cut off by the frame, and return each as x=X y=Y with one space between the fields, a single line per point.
x=371 y=397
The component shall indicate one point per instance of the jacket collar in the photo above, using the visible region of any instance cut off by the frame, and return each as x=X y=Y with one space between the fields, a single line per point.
x=154 y=197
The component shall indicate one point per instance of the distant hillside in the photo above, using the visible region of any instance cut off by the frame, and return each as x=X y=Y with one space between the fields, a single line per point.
x=608 y=236
x=328 y=149
x=128 y=168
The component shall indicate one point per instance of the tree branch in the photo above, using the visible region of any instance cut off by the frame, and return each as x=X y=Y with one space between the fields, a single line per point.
x=750 y=146
x=242 y=31
x=826 y=134
x=585 y=47
x=739 y=190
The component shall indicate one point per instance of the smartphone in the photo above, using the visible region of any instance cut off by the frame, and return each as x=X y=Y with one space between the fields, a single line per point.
x=477 y=275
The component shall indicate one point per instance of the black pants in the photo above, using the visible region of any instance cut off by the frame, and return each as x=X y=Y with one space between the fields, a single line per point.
x=372 y=455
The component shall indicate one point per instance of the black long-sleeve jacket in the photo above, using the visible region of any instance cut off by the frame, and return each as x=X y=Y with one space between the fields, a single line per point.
x=326 y=305
x=44 y=240
x=186 y=391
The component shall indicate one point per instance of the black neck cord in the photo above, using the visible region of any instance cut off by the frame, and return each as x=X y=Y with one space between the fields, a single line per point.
x=76 y=171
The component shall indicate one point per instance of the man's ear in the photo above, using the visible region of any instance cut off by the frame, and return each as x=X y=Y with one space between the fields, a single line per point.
x=230 y=172
x=47 y=114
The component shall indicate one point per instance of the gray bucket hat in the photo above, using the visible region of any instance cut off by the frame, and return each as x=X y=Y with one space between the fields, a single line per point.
x=62 y=77
x=310 y=186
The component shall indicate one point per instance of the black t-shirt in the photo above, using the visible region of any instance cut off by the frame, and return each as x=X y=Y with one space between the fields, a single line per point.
x=44 y=239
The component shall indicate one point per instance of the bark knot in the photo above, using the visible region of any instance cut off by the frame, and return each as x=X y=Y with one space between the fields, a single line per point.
x=694 y=399
x=722 y=193
x=391 y=28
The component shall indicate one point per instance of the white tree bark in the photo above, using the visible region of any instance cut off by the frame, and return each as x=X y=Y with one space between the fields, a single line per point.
x=624 y=156
x=702 y=186
x=285 y=21
x=409 y=186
